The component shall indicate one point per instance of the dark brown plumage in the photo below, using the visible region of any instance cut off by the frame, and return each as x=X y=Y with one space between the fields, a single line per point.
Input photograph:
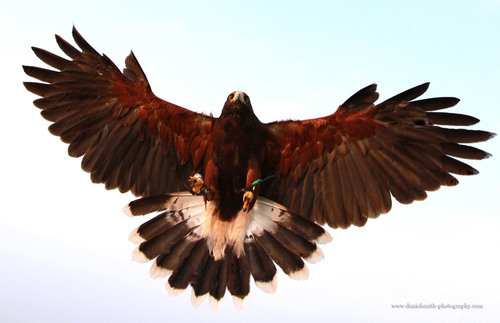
x=262 y=186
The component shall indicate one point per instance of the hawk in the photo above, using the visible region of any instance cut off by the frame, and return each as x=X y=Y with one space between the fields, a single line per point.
x=233 y=196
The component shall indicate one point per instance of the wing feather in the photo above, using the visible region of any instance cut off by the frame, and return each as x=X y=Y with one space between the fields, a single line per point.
x=348 y=164
x=128 y=137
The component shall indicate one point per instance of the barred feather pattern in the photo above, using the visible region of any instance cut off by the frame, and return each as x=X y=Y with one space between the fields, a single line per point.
x=193 y=247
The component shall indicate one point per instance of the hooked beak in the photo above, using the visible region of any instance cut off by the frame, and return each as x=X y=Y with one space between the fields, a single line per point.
x=238 y=96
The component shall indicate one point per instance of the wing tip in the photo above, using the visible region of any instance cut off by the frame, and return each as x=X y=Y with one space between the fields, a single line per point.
x=453 y=101
x=27 y=70
x=422 y=88
x=75 y=32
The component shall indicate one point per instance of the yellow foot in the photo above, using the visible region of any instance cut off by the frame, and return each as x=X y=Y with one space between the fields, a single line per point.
x=247 y=199
x=196 y=182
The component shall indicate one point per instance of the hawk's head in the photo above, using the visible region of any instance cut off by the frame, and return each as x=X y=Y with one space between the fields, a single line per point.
x=238 y=102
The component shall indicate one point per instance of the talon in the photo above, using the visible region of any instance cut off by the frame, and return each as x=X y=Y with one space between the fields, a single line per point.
x=196 y=182
x=247 y=199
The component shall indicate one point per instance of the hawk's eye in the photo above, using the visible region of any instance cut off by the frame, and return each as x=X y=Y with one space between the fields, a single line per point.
x=231 y=96
x=246 y=99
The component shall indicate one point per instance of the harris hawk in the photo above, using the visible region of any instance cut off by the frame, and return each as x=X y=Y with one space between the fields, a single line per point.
x=233 y=196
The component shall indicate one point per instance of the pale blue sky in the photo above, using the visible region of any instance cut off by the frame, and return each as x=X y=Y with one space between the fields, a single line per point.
x=63 y=241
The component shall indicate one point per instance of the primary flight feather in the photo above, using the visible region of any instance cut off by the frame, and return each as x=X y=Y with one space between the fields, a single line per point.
x=237 y=196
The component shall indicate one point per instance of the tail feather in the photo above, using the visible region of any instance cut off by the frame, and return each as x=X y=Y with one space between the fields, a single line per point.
x=197 y=300
x=219 y=287
x=261 y=266
x=292 y=221
x=182 y=276
x=164 y=222
x=152 y=228
x=165 y=241
x=238 y=277
x=204 y=280
x=291 y=264
x=147 y=205
x=193 y=246
x=160 y=234
x=175 y=201
x=286 y=237
x=295 y=243
x=166 y=263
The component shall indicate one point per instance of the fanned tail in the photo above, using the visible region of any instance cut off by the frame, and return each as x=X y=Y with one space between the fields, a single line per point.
x=192 y=246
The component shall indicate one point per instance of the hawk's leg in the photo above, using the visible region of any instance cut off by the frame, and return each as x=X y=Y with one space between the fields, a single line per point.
x=198 y=186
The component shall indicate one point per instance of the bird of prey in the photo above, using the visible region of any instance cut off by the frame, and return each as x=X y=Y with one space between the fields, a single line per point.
x=233 y=196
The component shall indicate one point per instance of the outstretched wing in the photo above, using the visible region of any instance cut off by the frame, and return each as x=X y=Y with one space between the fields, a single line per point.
x=130 y=139
x=342 y=169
